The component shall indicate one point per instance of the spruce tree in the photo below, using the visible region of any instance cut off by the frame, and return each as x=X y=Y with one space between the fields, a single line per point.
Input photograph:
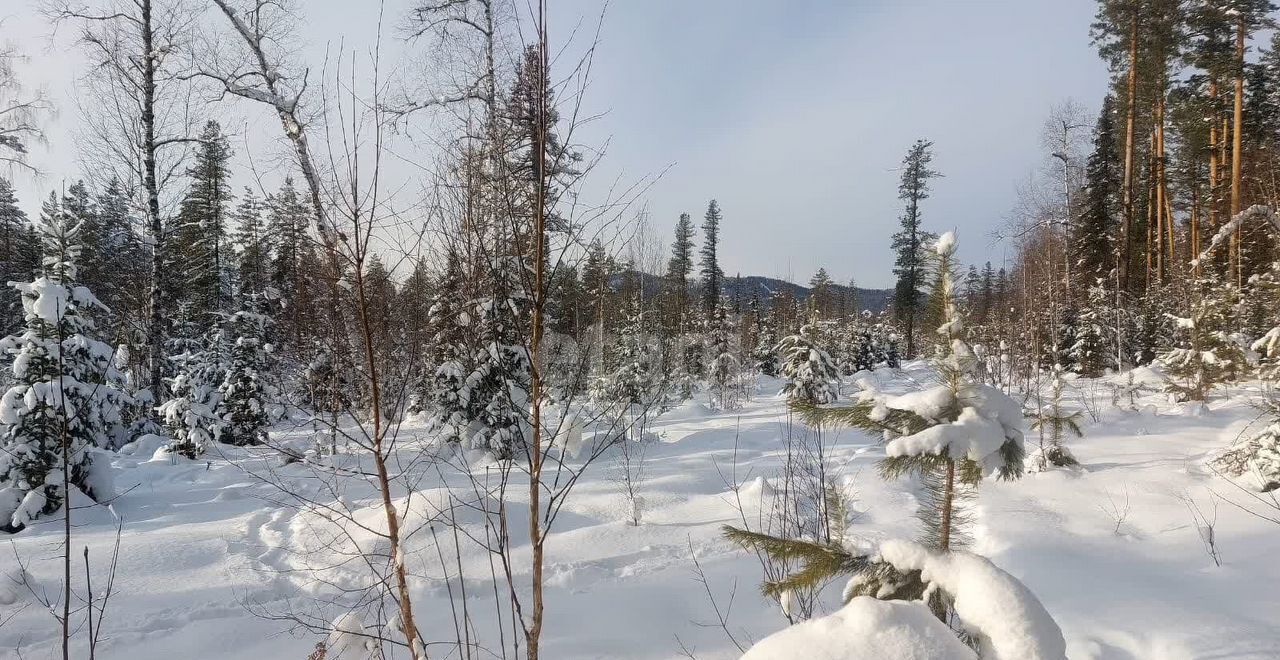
x=247 y=394
x=293 y=261
x=199 y=243
x=820 y=294
x=812 y=376
x=679 y=268
x=1092 y=250
x=721 y=359
x=1094 y=348
x=65 y=400
x=121 y=270
x=448 y=395
x=19 y=256
x=253 y=270
x=1207 y=354
x=709 y=262
x=910 y=243
x=193 y=413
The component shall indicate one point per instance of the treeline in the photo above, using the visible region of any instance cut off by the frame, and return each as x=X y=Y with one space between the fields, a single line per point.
x=1148 y=232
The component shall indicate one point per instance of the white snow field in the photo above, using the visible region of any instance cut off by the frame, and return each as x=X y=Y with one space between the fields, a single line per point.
x=1111 y=550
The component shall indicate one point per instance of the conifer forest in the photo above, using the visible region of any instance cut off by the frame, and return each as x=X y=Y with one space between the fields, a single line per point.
x=475 y=329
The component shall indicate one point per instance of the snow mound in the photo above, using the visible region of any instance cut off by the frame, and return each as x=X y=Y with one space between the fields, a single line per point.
x=1005 y=618
x=16 y=585
x=866 y=629
x=145 y=445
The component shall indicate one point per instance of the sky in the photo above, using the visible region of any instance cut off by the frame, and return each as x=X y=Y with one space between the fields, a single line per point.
x=793 y=115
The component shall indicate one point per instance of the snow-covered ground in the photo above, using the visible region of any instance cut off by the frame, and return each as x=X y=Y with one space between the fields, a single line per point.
x=1111 y=550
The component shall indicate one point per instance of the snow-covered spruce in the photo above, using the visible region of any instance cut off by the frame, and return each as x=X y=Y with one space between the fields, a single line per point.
x=65 y=398
x=247 y=395
x=723 y=365
x=631 y=374
x=192 y=414
x=812 y=377
x=1207 y=354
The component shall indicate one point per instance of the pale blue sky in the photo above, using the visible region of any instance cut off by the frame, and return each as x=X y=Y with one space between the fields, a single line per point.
x=792 y=114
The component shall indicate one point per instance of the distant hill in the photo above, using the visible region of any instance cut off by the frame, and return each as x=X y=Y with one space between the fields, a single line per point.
x=872 y=299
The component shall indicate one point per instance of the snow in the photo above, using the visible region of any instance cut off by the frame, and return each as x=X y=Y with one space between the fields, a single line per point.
x=998 y=610
x=201 y=539
x=971 y=435
x=866 y=629
x=934 y=403
x=946 y=243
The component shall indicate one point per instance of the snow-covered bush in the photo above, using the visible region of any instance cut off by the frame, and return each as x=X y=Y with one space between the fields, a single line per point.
x=64 y=400
x=1258 y=455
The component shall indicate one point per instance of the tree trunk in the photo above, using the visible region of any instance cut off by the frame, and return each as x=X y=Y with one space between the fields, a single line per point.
x=404 y=601
x=1126 y=249
x=155 y=337
x=536 y=539
x=948 y=500
x=1237 y=118
x=1214 y=137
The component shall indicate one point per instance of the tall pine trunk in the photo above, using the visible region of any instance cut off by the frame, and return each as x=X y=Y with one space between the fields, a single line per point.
x=1126 y=248
x=1237 y=118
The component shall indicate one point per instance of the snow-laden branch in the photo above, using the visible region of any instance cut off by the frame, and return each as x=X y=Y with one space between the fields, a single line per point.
x=1231 y=227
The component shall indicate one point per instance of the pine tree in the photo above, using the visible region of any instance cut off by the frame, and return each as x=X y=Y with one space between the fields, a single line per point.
x=1056 y=422
x=911 y=241
x=951 y=435
x=64 y=401
x=709 y=262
